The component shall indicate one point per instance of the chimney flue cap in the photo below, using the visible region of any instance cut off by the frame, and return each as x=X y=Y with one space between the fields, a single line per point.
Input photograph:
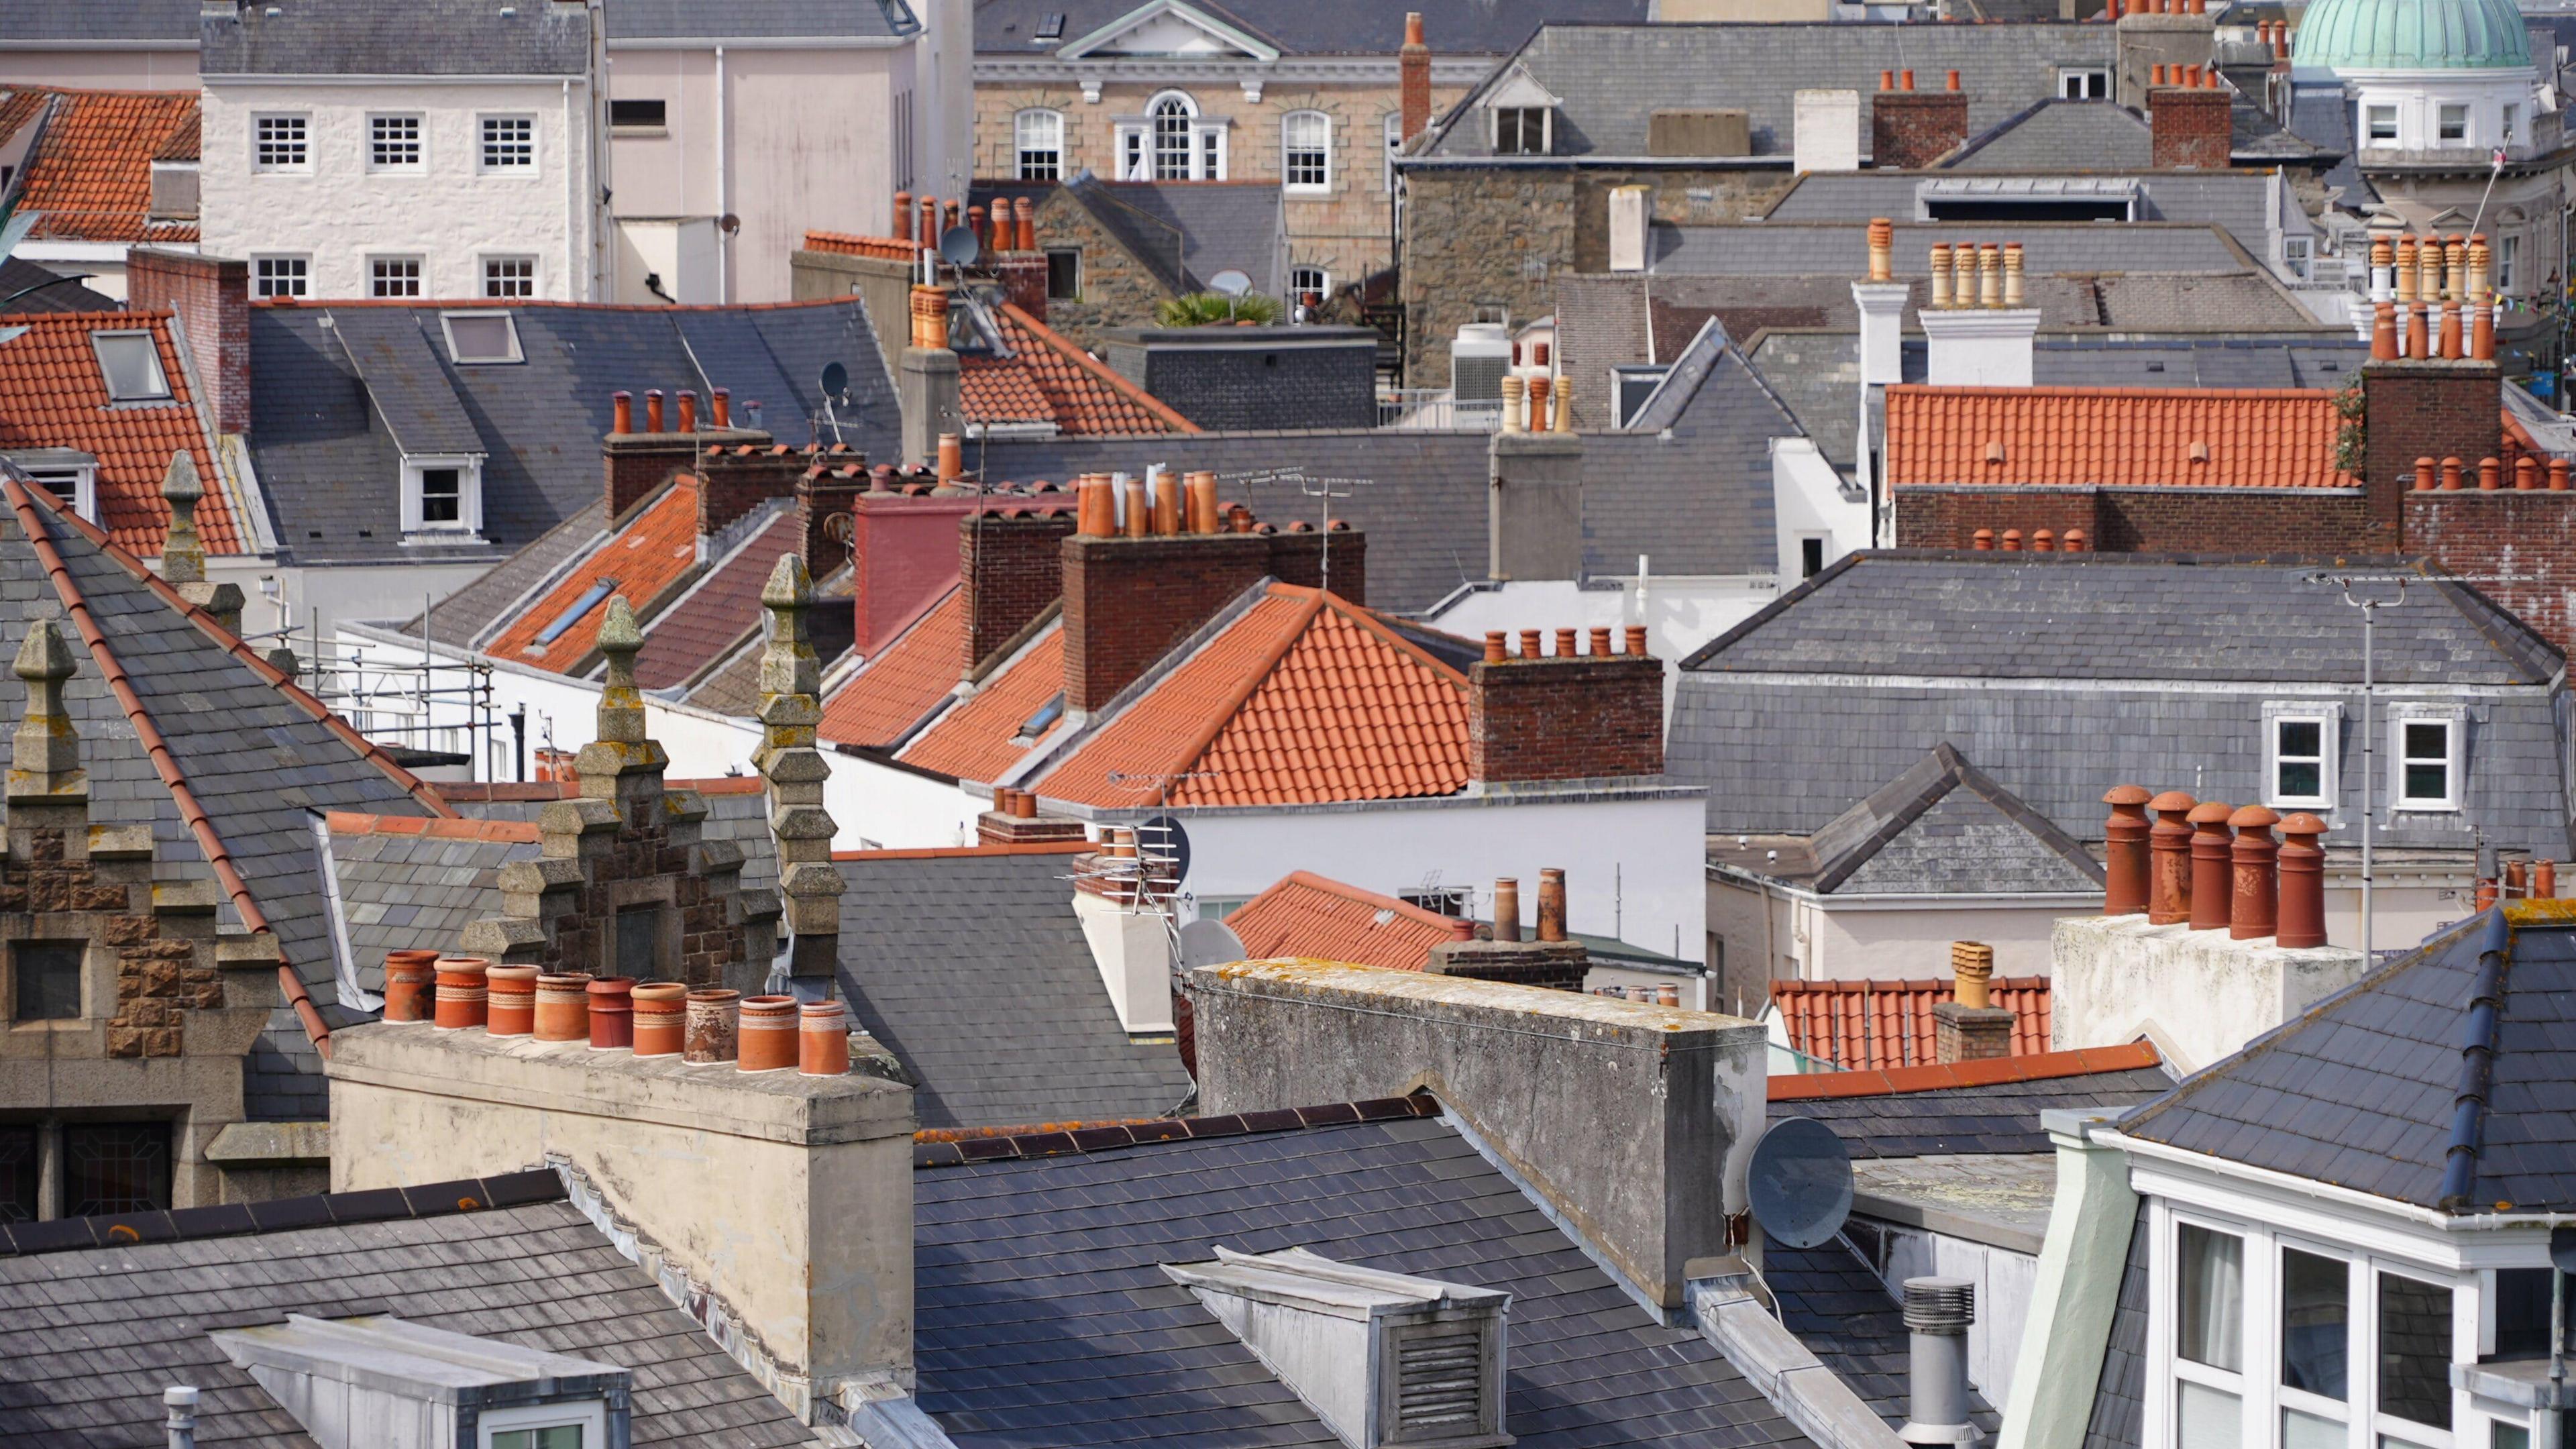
x=1940 y=1305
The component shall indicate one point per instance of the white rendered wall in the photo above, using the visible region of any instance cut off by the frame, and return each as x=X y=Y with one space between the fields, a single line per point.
x=1632 y=867
x=1807 y=499
x=449 y=213
x=1680 y=614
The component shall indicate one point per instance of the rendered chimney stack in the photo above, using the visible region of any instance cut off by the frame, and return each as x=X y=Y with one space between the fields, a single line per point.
x=1938 y=1312
x=1413 y=82
x=2125 y=846
x=1551 y=904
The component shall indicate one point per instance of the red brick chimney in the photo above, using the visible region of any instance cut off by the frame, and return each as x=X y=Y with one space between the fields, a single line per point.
x=735 y=477
x=1911 y=129
x=1565 y=716
x=1414 y=79
x=1011 y=560
x=210 y=297
x=2191 y=126
x=2421 y=407
x=638 y=461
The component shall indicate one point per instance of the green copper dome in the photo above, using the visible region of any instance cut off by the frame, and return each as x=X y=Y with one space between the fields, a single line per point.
x=2413 y=35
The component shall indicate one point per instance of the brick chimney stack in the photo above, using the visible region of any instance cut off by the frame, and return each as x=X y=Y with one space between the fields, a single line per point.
x=1414 y=82
x=2190 y=124
x=1970 y=1027
x=1911 y=129
x=1565 y=716
x=635 y=463
x=1547 y=959
x=209 y=297
x=1010 y=562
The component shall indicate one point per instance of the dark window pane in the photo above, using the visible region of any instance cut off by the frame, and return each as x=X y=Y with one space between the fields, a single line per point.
x=18 y=1174
x=439 y=495
x=1811 y=557
x=2415 y=1350
x=2316 y=1317
x=2428 y=742
x=2299 y=738
x=2522 y=1312
x=2299 y=781
x=115 y=1167
x=48 y=976
x=2428 y=782
x=1064 y=275
x=635 y=113
x=638 y=930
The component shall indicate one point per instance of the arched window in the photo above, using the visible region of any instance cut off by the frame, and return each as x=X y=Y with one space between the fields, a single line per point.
x=1038 y=138
x=1306 y=151
x=1172 y=115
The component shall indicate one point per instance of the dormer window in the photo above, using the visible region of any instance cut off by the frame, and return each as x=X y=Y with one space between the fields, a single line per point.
x=130 y=364
x=480 y=1393
x=67 y=473
x=1522 y=131
x=443 y=495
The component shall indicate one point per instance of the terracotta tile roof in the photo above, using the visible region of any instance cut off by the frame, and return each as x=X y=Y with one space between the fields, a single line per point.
x=1049 y=379
x=52 y=395
x=888 y=248
x=91 y=173
x=906 y=680
x=980 y=739
x=1302 y=698
x=2040 y=1067
x=1305 y=914
x=656 y=548
x=2072 y=436
x=351 y=822
x=696 y=631
x=1869 y=1025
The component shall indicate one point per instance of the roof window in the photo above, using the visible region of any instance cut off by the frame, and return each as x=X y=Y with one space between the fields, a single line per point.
x=130 y=364
x=588 y=601
x=1051 y=27
x=463 y=1392
x=481 y=337
x=1044 y=720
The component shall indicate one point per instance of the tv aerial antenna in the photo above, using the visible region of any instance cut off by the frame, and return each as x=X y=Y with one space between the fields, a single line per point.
x=1322 y=490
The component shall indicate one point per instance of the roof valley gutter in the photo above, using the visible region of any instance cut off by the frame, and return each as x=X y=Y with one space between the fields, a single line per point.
x=148 y=734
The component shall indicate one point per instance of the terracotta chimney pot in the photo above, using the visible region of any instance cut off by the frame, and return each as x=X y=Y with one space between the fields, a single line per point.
x=2303 y=882
x=1599 y=646
x=767 y=1032
x=1954 y=81
x=2450 y=475
x=1637 y=640
x=463 y=1000
x=2211 y=843
x=1564 y=643
x=2517 y=880
x=903 y=216
x=688 y=411
x=1139 y=521
x=2125 y=837
x=2169 y=859
x=1494 y=646
x=1529 y=644
x=660 y=1011
x=562 y=1011
x=2490 y=475
x=411 y=984
x=1551 y=904
x=1887 y=80
x=1940 y=255
x=621 y=407
x=513 y=1000
x=713 y=1026
x=2254 y=912
x=2424 y=475
x=2043 y=542
x=2557 y=475
x=1024 y=218
x=1507 y=909
x=822 y=1039
x=720 y=402
x=652 y=410
x=1882 y=249
x=2544 y=880
x=2012 y=540
x=1983 y=541
x=2074 y=541
x=1905 y=80
x=1167 y=502
x=2526 y=474
x=1972 y=970
x=612 y=1013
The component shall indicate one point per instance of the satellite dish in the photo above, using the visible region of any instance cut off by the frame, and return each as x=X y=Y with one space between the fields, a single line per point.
x=836 y=380
x=1800 y=1181
x=1209 y=943
x=959 y=246
x=1230 y=283
x=2562 y=1248
x=1166 y=836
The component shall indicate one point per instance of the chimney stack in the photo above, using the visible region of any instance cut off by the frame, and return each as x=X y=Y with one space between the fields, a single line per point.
x=1542 y=957
x=2189 y=122
x=1880 y=300
x=1413 y=64
x=927 y=381
x=1938 y=1312
x=1911 y=129
x=1566 y=717
x=208 y=299
x=1969 y=1027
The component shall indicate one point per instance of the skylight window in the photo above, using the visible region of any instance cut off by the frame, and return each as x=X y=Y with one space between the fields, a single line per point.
x=588 y=601
x=1044 y=720
x=130 y=363
x=481 y=337
x=1051 y=27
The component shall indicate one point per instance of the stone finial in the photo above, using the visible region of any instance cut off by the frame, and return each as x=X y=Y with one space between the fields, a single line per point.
x=44 y=756
x=795 y=772
x=789 y=665
x=621 y=704
x=183 y=556
x=623 y=764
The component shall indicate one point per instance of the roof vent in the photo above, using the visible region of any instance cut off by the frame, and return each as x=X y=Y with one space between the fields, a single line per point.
x=1382 y=1358
x=345 y=1380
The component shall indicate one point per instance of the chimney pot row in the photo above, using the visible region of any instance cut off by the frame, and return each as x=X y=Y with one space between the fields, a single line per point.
x=2211 y=864
x=1498 y=650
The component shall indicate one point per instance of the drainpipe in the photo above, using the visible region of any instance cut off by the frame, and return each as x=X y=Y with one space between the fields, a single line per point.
x=572 y=195
x=724 y=196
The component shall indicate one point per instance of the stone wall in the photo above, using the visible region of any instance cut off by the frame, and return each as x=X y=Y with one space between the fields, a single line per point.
x=1117 y=289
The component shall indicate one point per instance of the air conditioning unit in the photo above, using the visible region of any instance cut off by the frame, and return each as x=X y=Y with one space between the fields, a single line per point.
x=1478 y=357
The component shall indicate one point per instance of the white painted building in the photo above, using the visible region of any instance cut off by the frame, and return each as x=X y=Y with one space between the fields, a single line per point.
x=458 y=154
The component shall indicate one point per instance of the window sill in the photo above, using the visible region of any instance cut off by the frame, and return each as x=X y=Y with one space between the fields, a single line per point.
x=444 y=538
x=641 y=132
x=2424 y=808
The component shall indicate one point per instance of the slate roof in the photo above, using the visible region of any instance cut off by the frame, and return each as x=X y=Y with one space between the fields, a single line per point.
x=1185 y=232
x=408 y=883
x=420 y=37
x=97 y=1332
x=2237 y=202
x=2059 y=673
x=24 y=22
x=90 y=171
x=651 y=552
x=1299 y=697
x=2120 y=1395
x=1999 y=1116
x=970 y=966
x=257 y=754
x=1330 y=27
x=1424 y=510
x=760 y=20
x=1688 y=485
x=1612 y=77
x=1942 y=827
x=53 y=394
x=1123 y=1355
x=473 y=610
x=720 y=610
x=1876 y=1024
x=318 y=424
x=1305 y=914
x=17 y=274
x=2114 y=437
x=1841 y=1310
x=2364 y=1089
x=2060 y=135
x=1837 y=246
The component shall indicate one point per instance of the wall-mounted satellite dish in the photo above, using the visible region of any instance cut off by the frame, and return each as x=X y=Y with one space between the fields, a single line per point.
x=1230 y=283
x=1800 y=1181
x=1209 y=943
x=959 y=246
x=836 y=381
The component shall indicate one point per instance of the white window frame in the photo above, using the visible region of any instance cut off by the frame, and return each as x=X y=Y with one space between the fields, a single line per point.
x=483 y=276
x=447 y=328
x=2083 y=83
x=151 y=353
x=1393 y=125
x=418 y=142
x=1164 y=107
x=2164 y=1390
x=420 y=265
x=303 y=280
x=2512 y=125
x=2442 y=112
x=589 y=1415
x=2454 y=719
x=469 y=493
x=2370 y=117
x=302 y=143
x=1546 y=130
x=2357 y=1301
x=1290 y=150
x=1050 y=143
x=82 y=481
x=2328 y=716
x=1621 y=376
x=483 y=163
x=2298 y=253
x=2508 y=261
x=1323 y=276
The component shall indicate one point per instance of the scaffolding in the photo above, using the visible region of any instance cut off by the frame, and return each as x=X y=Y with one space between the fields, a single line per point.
x=427 y=710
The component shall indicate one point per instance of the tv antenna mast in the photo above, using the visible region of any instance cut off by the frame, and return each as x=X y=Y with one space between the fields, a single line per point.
x=1323 y=490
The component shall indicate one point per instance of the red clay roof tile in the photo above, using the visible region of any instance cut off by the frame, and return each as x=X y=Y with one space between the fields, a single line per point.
x=1939 y=1077
x=1305 y=914
x=980 y=739
x=905 y=681
x=656 y=548
x=52 y=395
x=2115 y=437
x=1868 y=1025
x=91 y=173
x=694 y=632
x=1049 y=379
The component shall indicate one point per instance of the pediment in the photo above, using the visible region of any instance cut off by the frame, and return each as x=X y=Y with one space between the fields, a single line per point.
x=1164 y=29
